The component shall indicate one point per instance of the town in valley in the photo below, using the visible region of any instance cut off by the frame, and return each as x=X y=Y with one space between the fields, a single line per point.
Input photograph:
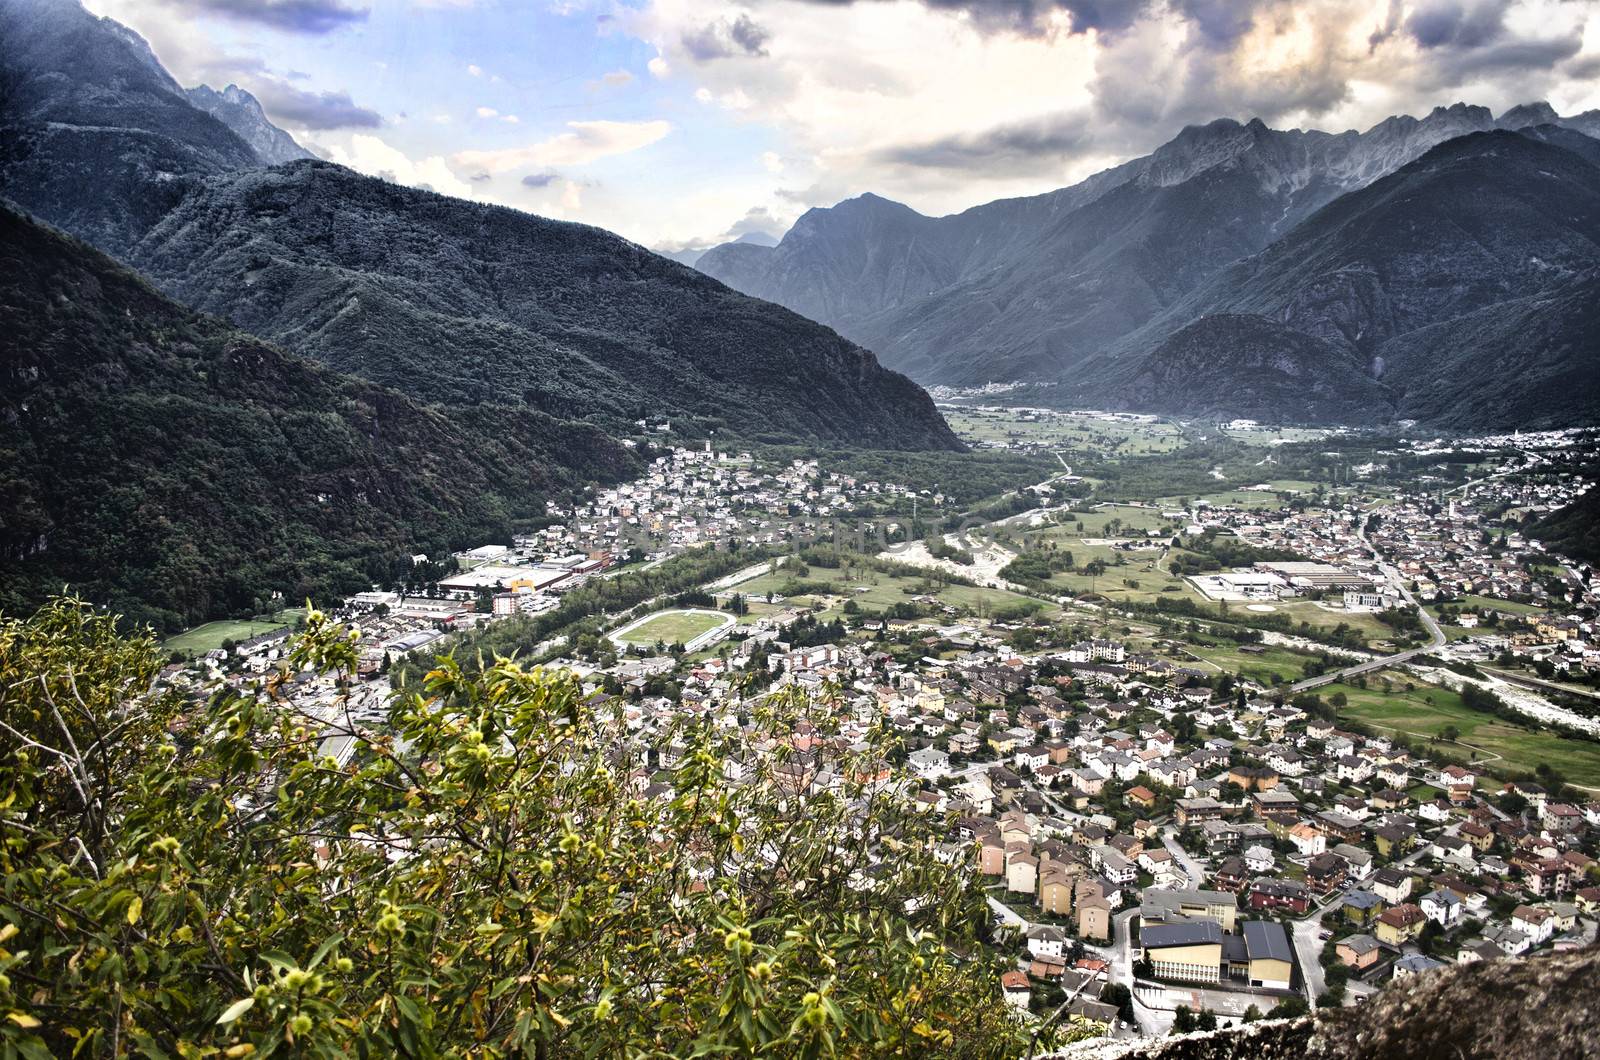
x=1258 y=744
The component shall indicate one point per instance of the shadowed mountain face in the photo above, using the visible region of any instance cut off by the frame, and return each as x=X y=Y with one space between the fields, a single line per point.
x=445 y=300
x=1078 y=286
x=1459 y=291
x=172 y=467
x=463 y=304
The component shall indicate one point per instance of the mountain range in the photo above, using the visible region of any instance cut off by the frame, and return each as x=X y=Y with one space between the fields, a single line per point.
x=447 y=300
x=1104 y=291
x=231 y=369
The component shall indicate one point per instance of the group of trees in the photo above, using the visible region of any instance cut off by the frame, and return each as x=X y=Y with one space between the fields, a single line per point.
x=192 y=881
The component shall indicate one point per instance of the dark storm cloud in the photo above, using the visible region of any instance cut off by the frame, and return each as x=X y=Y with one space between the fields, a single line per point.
x=725 y=38
x=291 y=16
x=313 y=110
x=1031 y=16
x=1585 y=69
x=1449 y=23
x=1051 y=137
x=1218 y=22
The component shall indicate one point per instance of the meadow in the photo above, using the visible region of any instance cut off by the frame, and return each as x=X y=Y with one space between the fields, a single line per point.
x=1426 y=710
x=211 y=635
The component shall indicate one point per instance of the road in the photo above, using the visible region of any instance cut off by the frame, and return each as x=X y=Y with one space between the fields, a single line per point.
x=1196 y=872
x=1008 y=916
x=1436 y=637
x=1308 y=948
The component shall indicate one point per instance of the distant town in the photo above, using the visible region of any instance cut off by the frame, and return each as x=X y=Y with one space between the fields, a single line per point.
x=1227 y=755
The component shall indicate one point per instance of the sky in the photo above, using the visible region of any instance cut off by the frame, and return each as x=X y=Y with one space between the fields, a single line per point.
x=685 y=123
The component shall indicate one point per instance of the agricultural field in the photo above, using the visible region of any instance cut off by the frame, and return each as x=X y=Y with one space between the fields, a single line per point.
x=209 y=637
x=1427 y=710
x=875 y=590
x=1045 y=429
x=1113 y=520
x=1275 y=435
x=1261 y=664
x=1490 y=603
x=671 y=627
x=1308 y=611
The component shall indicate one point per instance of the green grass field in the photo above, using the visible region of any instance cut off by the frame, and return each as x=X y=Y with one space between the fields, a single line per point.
x=874 y=590
x=1427 y=709
x=671 y=627
x=1493 y=604
x=210 y=636
x=1285 y=663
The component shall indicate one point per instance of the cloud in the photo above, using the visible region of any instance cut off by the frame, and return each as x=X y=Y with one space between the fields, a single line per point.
x=487 y=112
x=1035 y=17
x=312 y=110
x=1449 y=23
x=584 y=142
x=617 y=77
x=725 y=39
x=757 y=220
x=1050 y=136
x=540 y=180
x=290 y=16
x=1583 y=68
x=369 y=154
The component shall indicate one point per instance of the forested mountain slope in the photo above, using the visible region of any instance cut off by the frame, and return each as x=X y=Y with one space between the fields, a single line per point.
x=462 y=303
x=176 y=469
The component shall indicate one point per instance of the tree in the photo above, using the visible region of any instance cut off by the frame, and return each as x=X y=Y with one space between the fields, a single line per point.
x=184 y=879
x=1290 y=1007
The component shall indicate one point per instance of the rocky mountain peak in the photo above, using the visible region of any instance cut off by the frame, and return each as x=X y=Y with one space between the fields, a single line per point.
x=242 y=112
x=1525 y=114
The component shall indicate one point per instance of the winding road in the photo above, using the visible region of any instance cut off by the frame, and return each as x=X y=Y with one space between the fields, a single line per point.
x=1436 y=637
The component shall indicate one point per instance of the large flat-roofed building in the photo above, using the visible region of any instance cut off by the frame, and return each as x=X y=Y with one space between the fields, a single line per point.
x=1317 y=575
x=501 y=578
x=1188 y=952
x=1241 y=585
x=1180 y=907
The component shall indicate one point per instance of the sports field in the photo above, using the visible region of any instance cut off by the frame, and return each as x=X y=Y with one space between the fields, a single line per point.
x=671 y=627
x=205 y=638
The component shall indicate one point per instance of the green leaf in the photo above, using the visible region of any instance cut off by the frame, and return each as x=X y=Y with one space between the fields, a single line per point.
x=237 y=1009
x=322 y=950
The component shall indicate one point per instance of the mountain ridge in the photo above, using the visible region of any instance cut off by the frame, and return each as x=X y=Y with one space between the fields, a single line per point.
x=101 y=141
x=1111 y=255
x=1428 y=283
x=241 y=112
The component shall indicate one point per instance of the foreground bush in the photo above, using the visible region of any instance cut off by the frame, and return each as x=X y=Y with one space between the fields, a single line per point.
x=485 y=877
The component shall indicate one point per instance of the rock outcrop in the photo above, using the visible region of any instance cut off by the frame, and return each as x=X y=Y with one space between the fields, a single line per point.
x=1542 y=1008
